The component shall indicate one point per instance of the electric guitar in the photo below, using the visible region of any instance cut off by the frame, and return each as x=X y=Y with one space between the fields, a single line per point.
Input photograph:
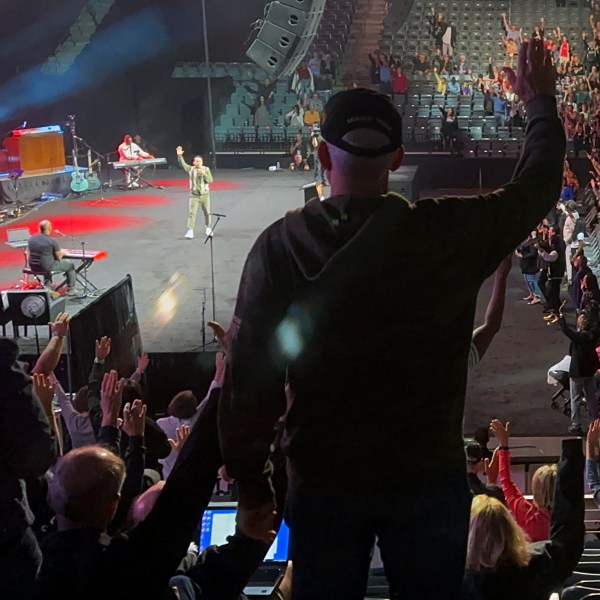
x=92 y=176
x=79 y=183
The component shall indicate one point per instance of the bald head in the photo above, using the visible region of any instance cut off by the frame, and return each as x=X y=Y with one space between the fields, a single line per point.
x=358 y=175
x=84 y=487
x=45 y=226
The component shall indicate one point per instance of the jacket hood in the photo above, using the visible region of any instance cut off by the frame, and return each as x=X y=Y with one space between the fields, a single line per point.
x=326 y=238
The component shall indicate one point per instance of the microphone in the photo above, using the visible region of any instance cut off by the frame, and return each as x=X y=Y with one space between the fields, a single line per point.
x=60 y=233
x=22 y=125
x=218 y=215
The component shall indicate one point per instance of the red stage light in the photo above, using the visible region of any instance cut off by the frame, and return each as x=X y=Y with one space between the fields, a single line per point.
x=127 y=201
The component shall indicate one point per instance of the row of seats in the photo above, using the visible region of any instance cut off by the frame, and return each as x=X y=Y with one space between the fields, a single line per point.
x=263 y=139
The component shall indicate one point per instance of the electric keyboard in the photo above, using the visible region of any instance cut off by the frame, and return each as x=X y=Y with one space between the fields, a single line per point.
x=89 y=255
x=36 y=131
x=146 y=162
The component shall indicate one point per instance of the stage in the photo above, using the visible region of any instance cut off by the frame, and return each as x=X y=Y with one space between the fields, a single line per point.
x=143 y=233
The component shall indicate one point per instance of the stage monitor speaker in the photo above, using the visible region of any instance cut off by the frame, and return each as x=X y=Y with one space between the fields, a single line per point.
x=405 y=182
x=33 y=307
x=288 y=31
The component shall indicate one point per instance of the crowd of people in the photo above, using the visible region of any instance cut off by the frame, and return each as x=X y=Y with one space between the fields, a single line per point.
x=98 y=500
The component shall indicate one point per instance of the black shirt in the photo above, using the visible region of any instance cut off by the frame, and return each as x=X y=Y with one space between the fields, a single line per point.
x=42 y=249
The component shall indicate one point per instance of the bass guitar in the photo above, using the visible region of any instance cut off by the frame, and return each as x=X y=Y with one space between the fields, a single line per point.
x=92 y=175
x=79 y=183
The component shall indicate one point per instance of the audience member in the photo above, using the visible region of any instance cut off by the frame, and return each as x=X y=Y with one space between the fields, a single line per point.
x=184 y=410
x=476 y=465
x=303 y=276
x=584 y=364
x=532 y=516
x=500 y=561
x=528 y=254
x=27 y=448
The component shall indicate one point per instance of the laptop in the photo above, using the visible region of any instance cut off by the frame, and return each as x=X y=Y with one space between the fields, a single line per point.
x=218 y=522
x=18 y=237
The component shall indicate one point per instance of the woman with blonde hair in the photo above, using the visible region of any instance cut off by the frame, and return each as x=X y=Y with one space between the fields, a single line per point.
x=502 y=564
x=532 y=516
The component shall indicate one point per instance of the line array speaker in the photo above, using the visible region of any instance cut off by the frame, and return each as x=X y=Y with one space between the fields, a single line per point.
x=288 y=31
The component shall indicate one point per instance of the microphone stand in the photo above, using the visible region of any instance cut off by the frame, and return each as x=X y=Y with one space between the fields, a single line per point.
x=83 y=272
x=100 y=158
x=212 y=266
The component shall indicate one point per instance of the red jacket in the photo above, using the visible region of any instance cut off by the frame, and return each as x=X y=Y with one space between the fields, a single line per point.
x=534 y=521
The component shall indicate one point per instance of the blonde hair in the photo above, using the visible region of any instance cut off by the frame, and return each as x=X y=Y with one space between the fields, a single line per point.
x=542 y=486
x=495 y=539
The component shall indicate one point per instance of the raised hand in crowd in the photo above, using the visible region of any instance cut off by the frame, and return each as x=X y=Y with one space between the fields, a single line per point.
x=111 y=394
x=535 y=74
x=134 y=418
x=103 y=348
x=142 y=363
x=181 y=435
x=502 y=432
x=222 y=336
x=43 y=388
x=491 y=468
x=60 y=327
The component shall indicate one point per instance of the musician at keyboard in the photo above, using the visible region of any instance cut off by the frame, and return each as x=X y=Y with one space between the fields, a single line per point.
x=46 y=257
x=129 y=150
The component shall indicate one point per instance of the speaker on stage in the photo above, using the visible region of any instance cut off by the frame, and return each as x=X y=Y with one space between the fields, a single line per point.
x=285 y=36
x=33 y=307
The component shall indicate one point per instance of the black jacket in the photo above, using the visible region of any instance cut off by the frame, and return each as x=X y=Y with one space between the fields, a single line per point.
x=556 y=268
x=584 y=358
x=27 y=446
x=340 y=295
x=529 y=257
x=552 y=561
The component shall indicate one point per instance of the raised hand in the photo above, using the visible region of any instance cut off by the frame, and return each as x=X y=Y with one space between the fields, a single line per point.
x=181 y=434
x=179 y=150
x=502 y=432
x=221 y=335
x=111 y=395
x=61 y=325
x=142 y=363
x=535 y=74
x=103 y=348
x=43 y=388
x=134 y=418
x=492 y=467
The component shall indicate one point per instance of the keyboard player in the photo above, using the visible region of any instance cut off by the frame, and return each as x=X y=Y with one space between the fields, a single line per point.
x=129 y=150
x=45 y=256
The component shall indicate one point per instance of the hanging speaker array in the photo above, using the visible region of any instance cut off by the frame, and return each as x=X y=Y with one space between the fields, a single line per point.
x=288 y=30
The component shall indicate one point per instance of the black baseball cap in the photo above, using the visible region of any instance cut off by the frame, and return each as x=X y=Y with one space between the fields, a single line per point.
x=361 y=108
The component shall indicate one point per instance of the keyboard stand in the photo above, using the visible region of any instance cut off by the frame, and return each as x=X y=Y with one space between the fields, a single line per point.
x=81 y=277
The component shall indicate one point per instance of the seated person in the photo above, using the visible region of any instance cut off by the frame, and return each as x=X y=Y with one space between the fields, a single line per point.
x=129 y=150
x=300 y=152
x=46 y=256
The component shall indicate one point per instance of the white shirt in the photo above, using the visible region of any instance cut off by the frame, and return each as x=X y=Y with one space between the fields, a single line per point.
x=131 y=152
x=447 y=37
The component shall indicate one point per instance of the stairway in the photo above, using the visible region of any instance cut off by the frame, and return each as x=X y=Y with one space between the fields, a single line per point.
x=78 y=37
x=364 y=37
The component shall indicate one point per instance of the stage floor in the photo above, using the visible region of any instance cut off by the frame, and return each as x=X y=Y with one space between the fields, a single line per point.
x=143 y=233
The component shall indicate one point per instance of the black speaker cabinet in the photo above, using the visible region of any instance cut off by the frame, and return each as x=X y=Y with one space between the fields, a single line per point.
x=33 y=307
